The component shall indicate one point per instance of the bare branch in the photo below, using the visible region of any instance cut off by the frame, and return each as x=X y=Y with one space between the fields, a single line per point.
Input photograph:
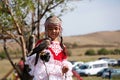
x=9 y=58
x=55 y=5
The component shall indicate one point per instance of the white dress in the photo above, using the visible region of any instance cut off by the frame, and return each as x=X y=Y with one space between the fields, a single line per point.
x=51 y=70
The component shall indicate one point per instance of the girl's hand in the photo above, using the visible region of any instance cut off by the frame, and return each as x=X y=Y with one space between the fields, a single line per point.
x=64 y=69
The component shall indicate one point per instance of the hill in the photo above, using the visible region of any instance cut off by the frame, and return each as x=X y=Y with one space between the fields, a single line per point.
x=98 y=38
x=103 y=38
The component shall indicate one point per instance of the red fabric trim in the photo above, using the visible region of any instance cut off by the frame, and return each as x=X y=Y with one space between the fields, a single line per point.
x=59 y=57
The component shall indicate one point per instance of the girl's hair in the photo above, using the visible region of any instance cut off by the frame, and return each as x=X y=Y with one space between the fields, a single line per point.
x=62 y=45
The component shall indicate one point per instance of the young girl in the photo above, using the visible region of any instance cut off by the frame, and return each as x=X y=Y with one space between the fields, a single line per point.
x=57 y=67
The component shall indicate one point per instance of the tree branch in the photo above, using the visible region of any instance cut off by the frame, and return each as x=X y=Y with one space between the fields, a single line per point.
x=18 y=30
x=9 y=58
x=55 y=5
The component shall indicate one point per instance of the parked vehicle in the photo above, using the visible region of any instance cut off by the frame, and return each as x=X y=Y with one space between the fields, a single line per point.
x=112 y=72
x=118 y=62
x=112 y=62
x=102 y=58
x=103 y=70
x=92 y=68
x=77 y=64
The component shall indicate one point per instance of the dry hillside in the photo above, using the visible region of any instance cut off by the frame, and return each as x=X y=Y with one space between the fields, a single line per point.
x=97 y=38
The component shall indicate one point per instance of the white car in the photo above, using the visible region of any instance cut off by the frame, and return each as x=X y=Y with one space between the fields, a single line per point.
x=112 y=62
x=76 y=65
x=92 y=68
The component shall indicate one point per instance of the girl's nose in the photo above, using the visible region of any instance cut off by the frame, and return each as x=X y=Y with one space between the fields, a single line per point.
x=53 y=30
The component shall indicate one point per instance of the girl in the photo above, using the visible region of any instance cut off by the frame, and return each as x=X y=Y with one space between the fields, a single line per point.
x=57 y=67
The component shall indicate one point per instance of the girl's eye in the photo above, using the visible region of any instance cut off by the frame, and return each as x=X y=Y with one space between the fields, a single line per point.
x=50 y=29
x=53 y=28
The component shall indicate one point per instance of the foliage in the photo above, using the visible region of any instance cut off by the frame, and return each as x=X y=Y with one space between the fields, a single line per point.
x=103 y=51
x=117 y=51
x=71 y=45
x=90 y=52
x=2 y=55
x=74 y=45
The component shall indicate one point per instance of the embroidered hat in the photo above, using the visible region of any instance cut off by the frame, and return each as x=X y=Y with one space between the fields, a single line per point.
x=53 y=20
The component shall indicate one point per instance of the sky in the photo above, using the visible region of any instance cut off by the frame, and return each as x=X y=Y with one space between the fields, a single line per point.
x=92 y=16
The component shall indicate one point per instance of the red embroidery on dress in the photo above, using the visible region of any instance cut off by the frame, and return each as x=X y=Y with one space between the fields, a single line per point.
x=56 y=48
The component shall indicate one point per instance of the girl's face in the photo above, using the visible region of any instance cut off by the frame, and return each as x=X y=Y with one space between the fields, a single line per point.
x=53 y=31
